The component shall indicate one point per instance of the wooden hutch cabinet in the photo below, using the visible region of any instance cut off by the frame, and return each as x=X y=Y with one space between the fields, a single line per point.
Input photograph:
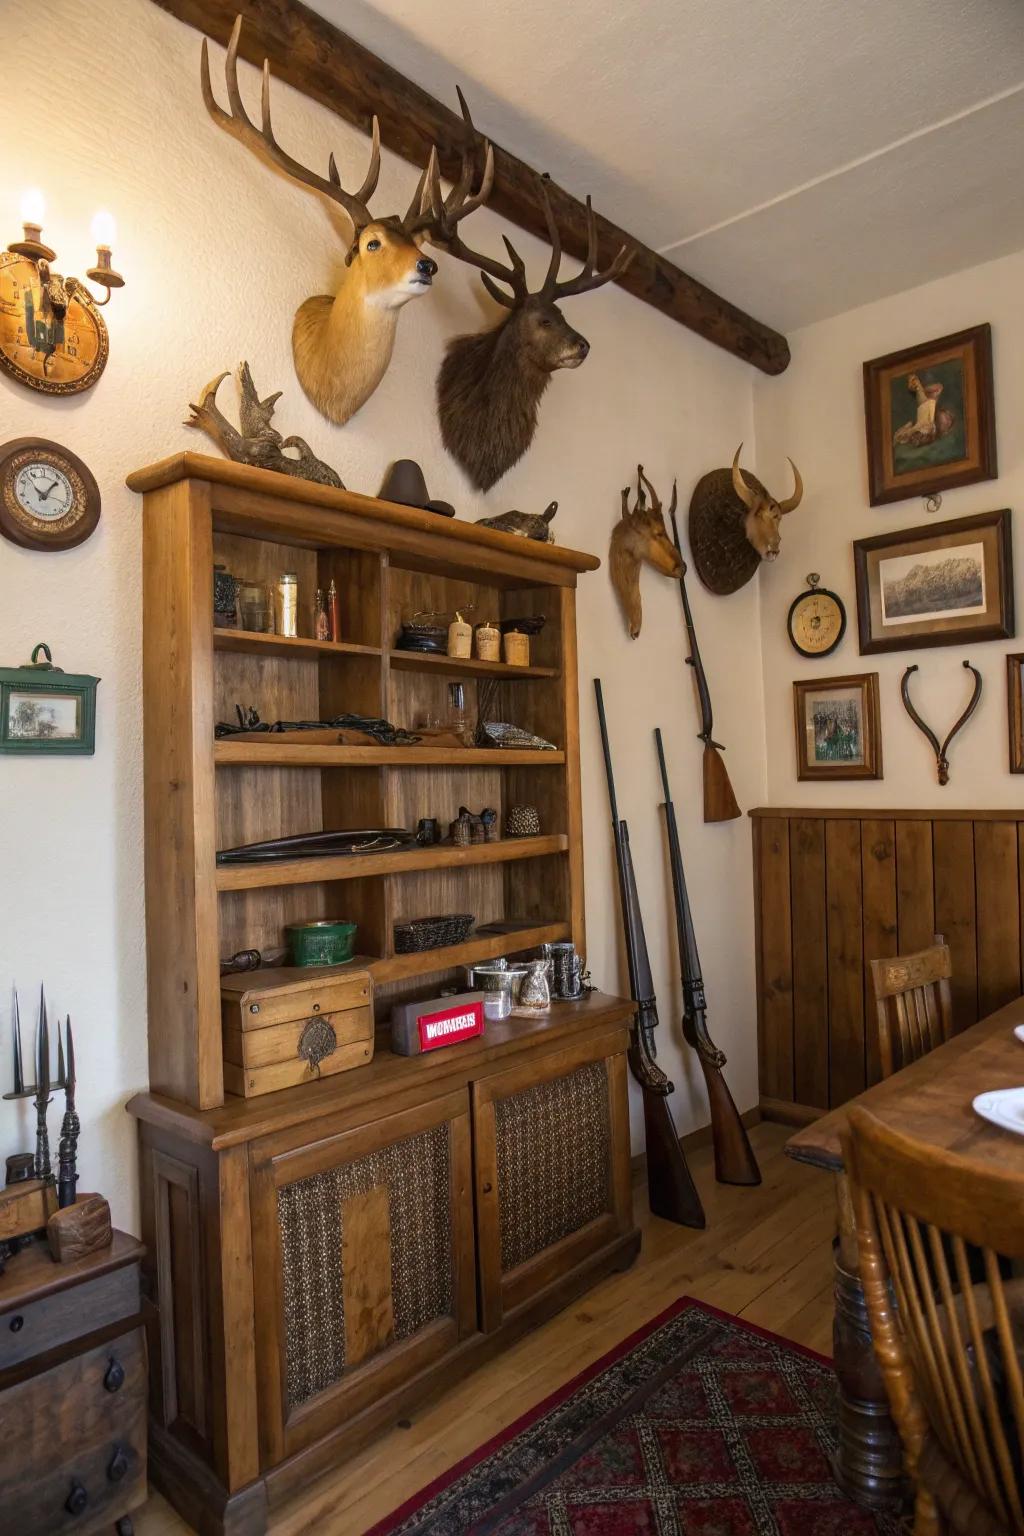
x=323 y=1256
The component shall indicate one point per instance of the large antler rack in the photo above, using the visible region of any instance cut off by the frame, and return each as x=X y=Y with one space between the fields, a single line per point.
x=426 y=205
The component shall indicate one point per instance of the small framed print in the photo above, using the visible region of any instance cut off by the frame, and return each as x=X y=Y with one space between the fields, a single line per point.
x=939 y=584
x=838 y=728
x=1015 y=709
x=930 y=417
x=45 y=710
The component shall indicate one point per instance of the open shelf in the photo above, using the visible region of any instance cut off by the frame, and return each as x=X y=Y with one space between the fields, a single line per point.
x=287 y=645
x=485 y=947
x=247 y=877
x=289 y=754
x=458 y=666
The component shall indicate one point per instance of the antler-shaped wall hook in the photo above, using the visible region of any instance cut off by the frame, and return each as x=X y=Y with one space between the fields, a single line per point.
x=941 y=757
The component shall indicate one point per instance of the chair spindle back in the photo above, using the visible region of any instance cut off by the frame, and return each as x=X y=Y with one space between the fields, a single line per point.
x=914 y=1003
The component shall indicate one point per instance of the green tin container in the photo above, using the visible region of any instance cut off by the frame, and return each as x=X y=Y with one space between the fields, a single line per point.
x=323 y=942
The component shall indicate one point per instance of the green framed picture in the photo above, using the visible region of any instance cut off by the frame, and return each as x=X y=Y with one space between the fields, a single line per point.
x=46 y=710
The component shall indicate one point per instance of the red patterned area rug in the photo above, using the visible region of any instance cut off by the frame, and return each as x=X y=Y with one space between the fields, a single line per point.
x=697 y=1425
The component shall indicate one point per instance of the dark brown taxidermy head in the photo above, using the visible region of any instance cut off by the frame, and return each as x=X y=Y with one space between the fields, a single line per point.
x=490 y=385
x=641 y=535
x=735 y=524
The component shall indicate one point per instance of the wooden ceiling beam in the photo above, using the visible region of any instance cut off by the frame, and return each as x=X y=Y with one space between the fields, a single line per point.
x=333 y=69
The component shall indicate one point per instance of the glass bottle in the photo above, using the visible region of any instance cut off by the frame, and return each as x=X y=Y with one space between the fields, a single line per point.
x=320 y=626
x=286 y=604
x=535 y=991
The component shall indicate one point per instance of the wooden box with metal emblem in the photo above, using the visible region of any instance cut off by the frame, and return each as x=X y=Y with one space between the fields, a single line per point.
x=291 y=1025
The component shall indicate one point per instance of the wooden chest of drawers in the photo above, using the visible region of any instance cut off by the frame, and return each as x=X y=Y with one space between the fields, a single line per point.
x=73 y=1388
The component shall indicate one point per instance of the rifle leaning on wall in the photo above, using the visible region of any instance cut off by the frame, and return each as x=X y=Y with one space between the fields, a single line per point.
x=671 y=1190
x=719 y=800
x=735 y=1162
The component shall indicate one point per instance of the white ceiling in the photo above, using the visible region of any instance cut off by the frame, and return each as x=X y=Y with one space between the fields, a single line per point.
x=801 y=156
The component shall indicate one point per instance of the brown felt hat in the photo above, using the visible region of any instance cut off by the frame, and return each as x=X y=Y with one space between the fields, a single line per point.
x=406 y=484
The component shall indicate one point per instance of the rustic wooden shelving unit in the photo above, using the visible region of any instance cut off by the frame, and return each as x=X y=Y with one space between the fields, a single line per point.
x=322 y=1256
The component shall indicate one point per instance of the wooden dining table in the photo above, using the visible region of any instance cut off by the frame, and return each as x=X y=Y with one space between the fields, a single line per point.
x=930 y=1100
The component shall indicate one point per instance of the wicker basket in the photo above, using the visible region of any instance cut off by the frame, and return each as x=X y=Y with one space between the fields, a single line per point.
x=432 y=932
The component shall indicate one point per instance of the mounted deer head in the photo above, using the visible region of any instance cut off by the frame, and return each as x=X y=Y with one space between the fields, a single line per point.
x=735 y=524
x=342 y=343
x=641 y=535
x=490 y=385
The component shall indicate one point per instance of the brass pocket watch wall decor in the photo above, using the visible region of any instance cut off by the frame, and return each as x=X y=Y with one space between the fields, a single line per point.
x=816 y=620
x=48 y=498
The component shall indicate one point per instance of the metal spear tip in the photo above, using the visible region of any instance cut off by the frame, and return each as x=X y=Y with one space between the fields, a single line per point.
x=42 y=1049
x=72 y=1077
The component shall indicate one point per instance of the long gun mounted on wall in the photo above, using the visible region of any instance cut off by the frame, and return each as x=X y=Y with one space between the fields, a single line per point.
x=719 y=800
x=671 y=1190
x=735 y=1162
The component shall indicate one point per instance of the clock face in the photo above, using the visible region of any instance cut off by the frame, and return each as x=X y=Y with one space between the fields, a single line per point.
x=52 y=337
x=48 y=498
x=817 y=622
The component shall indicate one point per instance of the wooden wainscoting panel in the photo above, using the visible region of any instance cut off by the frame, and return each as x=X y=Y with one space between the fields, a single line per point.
x=836 y=889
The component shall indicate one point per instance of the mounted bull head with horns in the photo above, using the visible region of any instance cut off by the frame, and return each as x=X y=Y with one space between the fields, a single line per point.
x=734 y=525
x=490 y=385
x=342 y=342
x=640 y=535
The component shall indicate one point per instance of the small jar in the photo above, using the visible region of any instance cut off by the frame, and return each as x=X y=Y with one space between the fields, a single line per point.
x=517 y=649
x=535 y=991
x=498 y=1001
x=460 y=638
x=286 y=604
x=488 y=642
x=254 y=609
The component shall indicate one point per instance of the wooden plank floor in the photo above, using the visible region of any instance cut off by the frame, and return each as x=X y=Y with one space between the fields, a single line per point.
x=765 y=1255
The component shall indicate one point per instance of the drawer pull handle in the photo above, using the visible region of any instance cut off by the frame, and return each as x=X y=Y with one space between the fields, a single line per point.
x=118 y=1464
x=76 y=1500
x=114 y=1379
x=17 y=1324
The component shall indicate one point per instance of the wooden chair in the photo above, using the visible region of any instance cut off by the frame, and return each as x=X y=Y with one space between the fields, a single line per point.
x=914 y=1003
x=949 y=1349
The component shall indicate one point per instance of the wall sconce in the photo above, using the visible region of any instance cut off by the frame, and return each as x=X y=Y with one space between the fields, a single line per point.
x=52 y=337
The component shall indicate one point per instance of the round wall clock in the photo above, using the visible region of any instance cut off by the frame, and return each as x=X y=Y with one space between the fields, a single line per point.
x=48 y=498
x=817 y=620
x=52 y=336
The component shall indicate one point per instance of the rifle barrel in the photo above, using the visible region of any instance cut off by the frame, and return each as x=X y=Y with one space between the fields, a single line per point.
x=661 y=764
x=607 y=752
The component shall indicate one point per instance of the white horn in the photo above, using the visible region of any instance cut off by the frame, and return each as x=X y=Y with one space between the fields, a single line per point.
x=792 y=502
x=739 y=485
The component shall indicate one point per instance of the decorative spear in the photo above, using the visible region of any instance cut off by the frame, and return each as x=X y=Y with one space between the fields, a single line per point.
x=19 y=1070
x=67 y=1174
x=42 y=1093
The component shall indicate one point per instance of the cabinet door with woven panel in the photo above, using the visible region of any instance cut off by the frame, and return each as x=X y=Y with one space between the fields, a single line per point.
x=551 y=1144
x=363 y=1260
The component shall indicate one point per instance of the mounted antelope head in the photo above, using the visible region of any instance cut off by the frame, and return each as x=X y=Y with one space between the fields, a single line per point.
x=735 y=524
x=641 y=535
x=342 y=343
x=490 y=385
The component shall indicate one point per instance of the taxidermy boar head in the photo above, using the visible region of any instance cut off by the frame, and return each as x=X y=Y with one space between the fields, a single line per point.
x=342 y=342
x=641 y=535
x=490 y=385
x=734 y=525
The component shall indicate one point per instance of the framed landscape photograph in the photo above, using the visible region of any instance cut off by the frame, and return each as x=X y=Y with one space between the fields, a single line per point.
x=1015 y=709
x=838 y=728
x=939 y=584
x=930 y=417
x=45 y=710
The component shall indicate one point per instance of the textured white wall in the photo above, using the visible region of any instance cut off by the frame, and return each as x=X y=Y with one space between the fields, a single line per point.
x=218 y=252
x=815 y=413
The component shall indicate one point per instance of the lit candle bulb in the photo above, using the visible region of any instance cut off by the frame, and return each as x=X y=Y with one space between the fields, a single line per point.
x=104 y=232
x=33 y=210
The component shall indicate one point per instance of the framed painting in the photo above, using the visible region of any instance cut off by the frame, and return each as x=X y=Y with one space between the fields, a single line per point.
x=939 y=584
x=838 y=728
x=930 y=417
x=46 y=710
x=1015 y=709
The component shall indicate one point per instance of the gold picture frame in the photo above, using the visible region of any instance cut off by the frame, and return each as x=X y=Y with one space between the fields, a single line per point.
x=838 y=727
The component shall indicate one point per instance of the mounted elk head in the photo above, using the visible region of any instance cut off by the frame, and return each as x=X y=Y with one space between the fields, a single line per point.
x=342 y=343
x=735 y=524
x=490 y=385
x=640 y=535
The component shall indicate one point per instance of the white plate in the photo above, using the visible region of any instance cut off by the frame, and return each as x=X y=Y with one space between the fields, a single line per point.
x=1019 y=1032
x=1003 y=1107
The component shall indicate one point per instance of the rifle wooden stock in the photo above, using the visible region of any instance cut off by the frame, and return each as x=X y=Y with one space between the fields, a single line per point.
x=735 y=1162
x=719 y=800
x=670 y=1187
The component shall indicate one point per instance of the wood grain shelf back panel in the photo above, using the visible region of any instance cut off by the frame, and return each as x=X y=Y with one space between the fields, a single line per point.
x=835 y=889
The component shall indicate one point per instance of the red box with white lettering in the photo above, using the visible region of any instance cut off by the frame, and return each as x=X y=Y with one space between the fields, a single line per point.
x=440 y=1021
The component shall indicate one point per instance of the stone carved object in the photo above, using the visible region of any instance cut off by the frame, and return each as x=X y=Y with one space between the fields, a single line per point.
x=734 y=525
x=490 y=385
x=528 y=525
x=640 y=535
x=342 y=342
x=255 y=441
